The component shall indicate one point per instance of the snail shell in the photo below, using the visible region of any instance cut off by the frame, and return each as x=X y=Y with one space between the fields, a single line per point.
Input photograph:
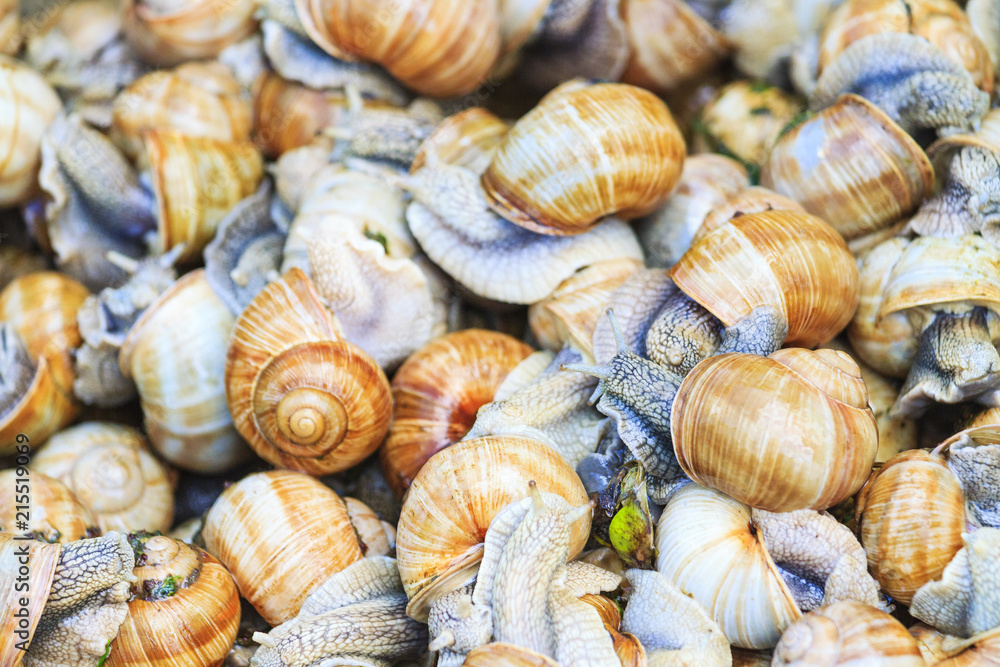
x=111 y=469
x=300 y=395
x=56 y=514
x=791 y=261
x=44 y=558
x=585 y=152
x=27 y=105
x=847 y=633
x=785 y=432
x=10 y=27
x=168 y=33
x=195 y=99
x=466 y=139
x=754 y=199
x=453 y=499
x=40 y=310
x=281 y=534
x=912 y=515
x=941 y=650
x=441 y=48
x=827 y=164
x=201 y=598
x=437 y=392
x=175 y=353
x=197 y=181
x=941 y=22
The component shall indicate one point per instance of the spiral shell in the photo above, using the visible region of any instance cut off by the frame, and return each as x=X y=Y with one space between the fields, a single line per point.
x=466 y=139
x=288 y=115
x=754 y=199
x=175 y=353
x=56 y=514
x=941 y=22
x=281 y=534
x=168 y=33
x=113 y=472
x=827 y=164
x=785 y=432
x=792 y=261
x=437 y=392
x=197 y=181
x=585 y=152
x=300 y=395
x=441 y=48
x=195 y=99
x=912 y=515
x=40 y=309
x=847 y=633
x=453 y=499
x=205 y=604
x=27 y=105
x=710 y=549
x=941 y=650
x=43 y=558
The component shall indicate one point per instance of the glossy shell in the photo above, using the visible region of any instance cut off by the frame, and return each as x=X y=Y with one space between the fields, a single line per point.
x=780 y=433
x=466 y=139
x=454 y=498
x=168 y=33
x=300 y=395
x=792 y=261
x=852 y=166
x=437 y=392
x=56 y=514
x=27 y=105
x=281 y=534
x=585 y=152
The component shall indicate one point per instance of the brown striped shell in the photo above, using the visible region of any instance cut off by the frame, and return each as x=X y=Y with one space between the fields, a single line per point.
x=196 y=99
x=792 y=261
x=453 y=499
x=43 y=558
x=281 y=534
x=441 y=48
x=585 y=152
x=847 y=633
x=168 y=32
x=287 y=115
x=40 y=309
x=912 y=516
x=852 y=166
x=437 y=392
x=941 y=22
x=780 y=433
x=197 y=181
x=466 y=139
x=27 y=105
x=55 y=513
x=303 y=397
x=205 y=604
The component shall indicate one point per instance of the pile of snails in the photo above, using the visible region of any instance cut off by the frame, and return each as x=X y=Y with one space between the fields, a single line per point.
x=499 y=332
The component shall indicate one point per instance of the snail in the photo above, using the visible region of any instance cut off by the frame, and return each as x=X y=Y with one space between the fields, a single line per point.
x=466 y=139
x=195 y=99
x=56 y=514
x=941 y=22
x=38 y=332
x=944 y=287
x=177 y=586
x=165 y=35
x=949 y=651
x=757 y=572
x=847 y=632
x=437 y=392
x=971 y=454
x=911 y=516
x=281 y=534
x=356 y=615
x=10 y=28
x=29 y=104
x=910 y=79
x=175 y=354
x=439 y=538
x=76 y=599
x=442 y=48
x=626 y=167
x=111 y=469
x=706 y=181
x=300 y=395
x=969 y=166
x=858 y=191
